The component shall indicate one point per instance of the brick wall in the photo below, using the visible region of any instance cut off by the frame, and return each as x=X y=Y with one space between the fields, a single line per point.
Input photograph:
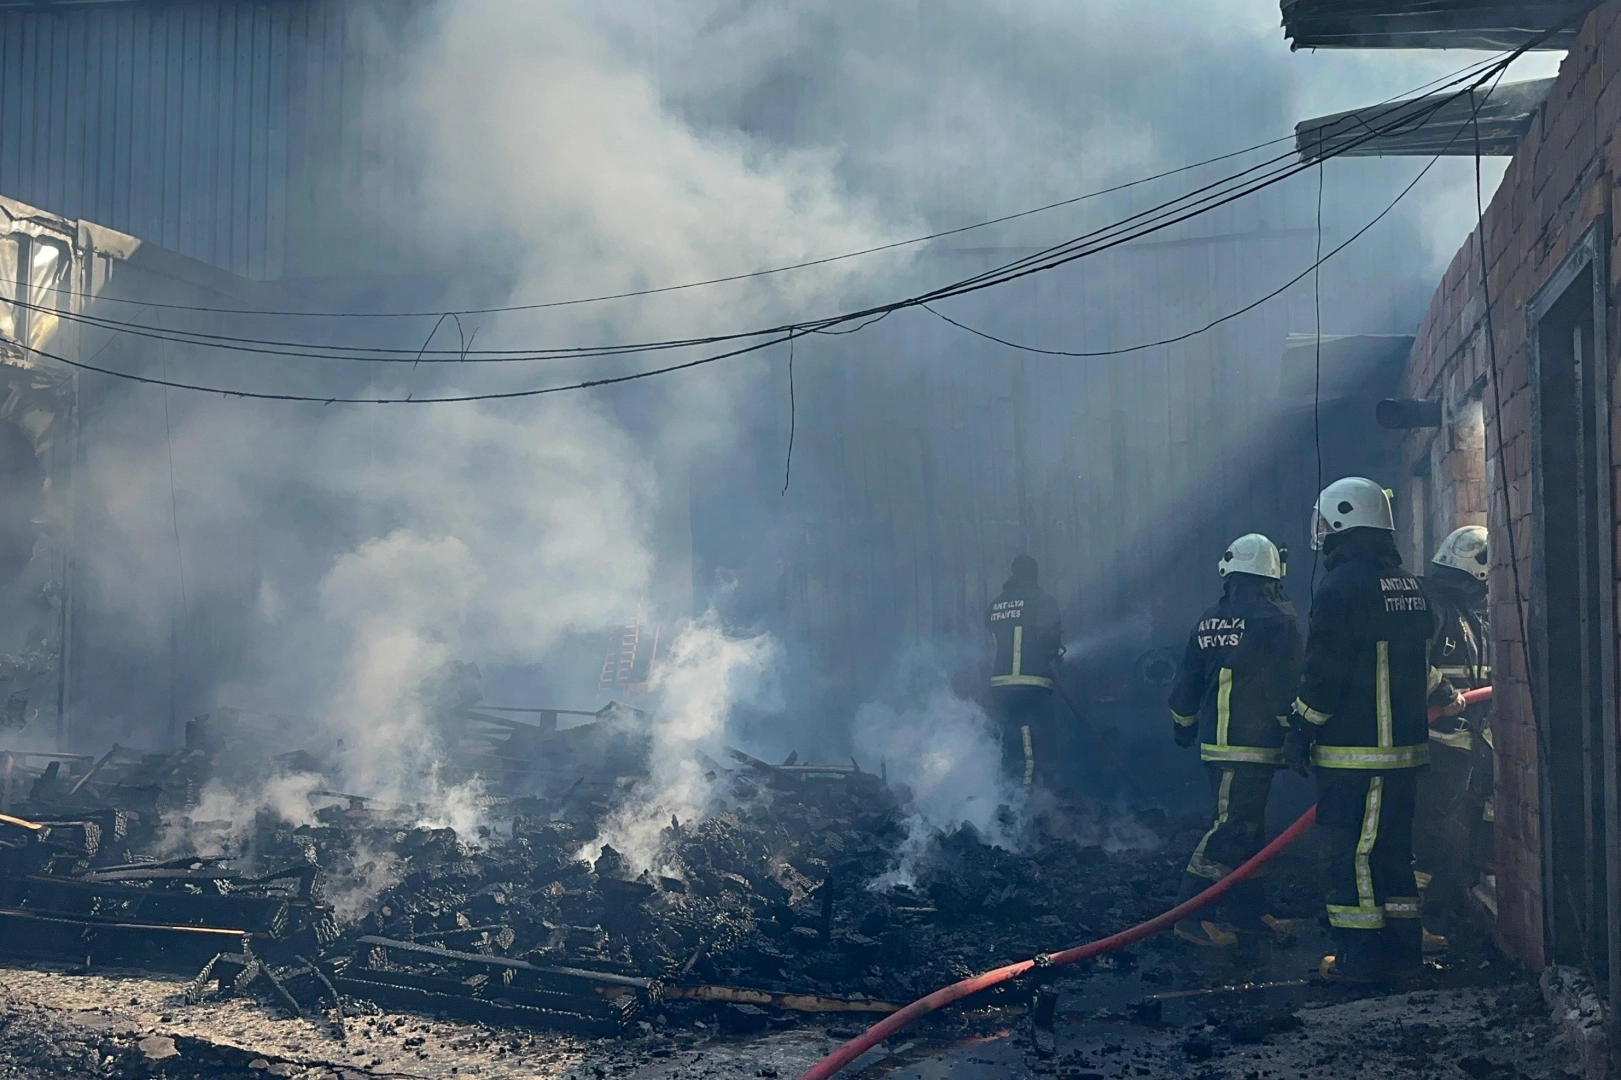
x=1558 y=183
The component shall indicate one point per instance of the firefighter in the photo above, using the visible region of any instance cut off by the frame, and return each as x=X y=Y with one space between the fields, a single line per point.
x=1232 y=696
x=1025 y=633
x=1361 y=718
x=1454 y=822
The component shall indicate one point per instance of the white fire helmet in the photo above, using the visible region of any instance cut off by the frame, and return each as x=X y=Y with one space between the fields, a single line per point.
x=1352 y=503
x=1252 y=553
x=1465 y=549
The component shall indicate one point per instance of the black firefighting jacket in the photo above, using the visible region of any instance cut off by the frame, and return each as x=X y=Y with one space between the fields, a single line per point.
x=1025 y=626
x=1461 y=651
x=1462 y=646
x=1241 y=668
x=1368 y=677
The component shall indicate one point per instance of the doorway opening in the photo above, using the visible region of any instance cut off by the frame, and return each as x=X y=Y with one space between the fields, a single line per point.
x=1573 y=613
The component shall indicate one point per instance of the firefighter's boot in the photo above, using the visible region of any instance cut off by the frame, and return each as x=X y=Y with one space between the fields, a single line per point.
x=1359 y=958
x=1202 y=927
x=1404 y=947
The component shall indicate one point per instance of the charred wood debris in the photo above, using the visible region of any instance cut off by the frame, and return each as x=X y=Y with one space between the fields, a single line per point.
x=772 y=908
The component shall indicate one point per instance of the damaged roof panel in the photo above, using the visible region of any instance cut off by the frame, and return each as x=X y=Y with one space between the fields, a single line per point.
x=1431 y=24
x=1426 y=126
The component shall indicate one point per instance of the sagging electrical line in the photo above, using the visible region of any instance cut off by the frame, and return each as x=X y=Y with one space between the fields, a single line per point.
x=1199 y=201
x=1502 y=464
x=300 y=350
x=1229 y=316
x=1317 y=352
x=658 y=290
x=1212 y=324
x=1053 y=257
x=1065 y=253
x=508 y=395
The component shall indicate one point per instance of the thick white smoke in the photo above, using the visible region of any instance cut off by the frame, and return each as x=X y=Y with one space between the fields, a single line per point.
x=388 y=543
x=704 y=677
x=945 y=751
x=572 y=150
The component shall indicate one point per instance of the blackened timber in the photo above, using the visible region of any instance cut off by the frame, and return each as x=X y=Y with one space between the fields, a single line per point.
x=596 y=978
x=161 y=948
x=76 y=899
x=1426 y=126
x=497 y=1004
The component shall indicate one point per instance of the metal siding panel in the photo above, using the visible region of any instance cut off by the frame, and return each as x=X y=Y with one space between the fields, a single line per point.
x=108 y=112
x=144 y=212
x=227 y=136
x=11 y=105
x=209 y=157
x=77 y=106
x=245 y=218
x=237 y=134
x=333 y=147
x=191 y=108
x=170 y=26
x=300 y=93
x=247 y=186
x=55 y=145
x=34 y=120
x=248 y=135
x=125 y=109
x=101 y=116
x=276 y=163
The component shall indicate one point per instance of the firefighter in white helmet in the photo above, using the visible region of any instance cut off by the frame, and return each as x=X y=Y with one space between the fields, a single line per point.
x=1361 y=718
x=1453 y=833
x=1232 y=696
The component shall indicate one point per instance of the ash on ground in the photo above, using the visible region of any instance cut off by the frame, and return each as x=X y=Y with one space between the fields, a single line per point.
x=359 y=942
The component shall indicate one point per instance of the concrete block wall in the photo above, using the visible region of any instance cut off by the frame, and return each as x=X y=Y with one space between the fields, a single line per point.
x=1558 y=183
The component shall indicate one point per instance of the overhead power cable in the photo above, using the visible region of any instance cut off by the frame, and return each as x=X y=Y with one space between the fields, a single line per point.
x=1229 y=316
x=1136 y=226
x=807 y=264
x=1173 y=211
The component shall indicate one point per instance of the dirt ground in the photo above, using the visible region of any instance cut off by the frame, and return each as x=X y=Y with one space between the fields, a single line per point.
x=117 y=1025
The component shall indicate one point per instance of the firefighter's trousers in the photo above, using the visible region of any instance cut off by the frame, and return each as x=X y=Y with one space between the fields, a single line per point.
x=1024 y=715
x=1237 y=831
x=1367 y=823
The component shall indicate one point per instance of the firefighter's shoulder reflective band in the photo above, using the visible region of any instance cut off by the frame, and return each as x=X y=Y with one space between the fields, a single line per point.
x=1021 y=680
x=1259 y=755
x=1371 y=757
x=1283 y=721
x=1183 y=721
x=1311 y=714
x=1356 y=918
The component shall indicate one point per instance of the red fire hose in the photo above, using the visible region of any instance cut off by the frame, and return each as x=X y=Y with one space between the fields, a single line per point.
x=895 y=1021
x=1470 y=697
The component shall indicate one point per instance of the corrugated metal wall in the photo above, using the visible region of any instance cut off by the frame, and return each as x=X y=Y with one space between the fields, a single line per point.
x=250 y=136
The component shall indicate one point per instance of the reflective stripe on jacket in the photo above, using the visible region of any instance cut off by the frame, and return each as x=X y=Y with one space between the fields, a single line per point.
x=1238 y=675
x=1368 y=676
x=1024 y=624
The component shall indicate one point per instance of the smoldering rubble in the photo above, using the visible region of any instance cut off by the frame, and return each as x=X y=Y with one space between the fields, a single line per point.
x=781 y=901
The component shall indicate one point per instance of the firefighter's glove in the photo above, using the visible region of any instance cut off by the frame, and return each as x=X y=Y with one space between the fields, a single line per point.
x=1186 y=735
x=1297 y=748
x=1456 y=706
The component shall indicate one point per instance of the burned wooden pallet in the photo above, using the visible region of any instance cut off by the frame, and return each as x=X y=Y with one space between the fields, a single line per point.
x=497 y=989
x=76 y=898
x=110 y=942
